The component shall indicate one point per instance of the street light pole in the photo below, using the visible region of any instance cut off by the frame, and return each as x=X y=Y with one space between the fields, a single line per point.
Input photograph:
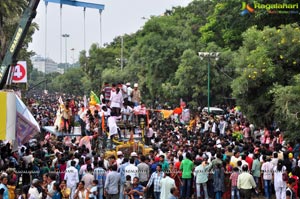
x=122 y=46
x=73 y=57
x=208 y=55
x=66 y=36
x=208 y=86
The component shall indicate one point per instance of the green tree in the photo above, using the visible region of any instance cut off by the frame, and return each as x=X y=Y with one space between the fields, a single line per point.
x=99 y=59
x=71 y=82
x=266 y=58
x=287 y=109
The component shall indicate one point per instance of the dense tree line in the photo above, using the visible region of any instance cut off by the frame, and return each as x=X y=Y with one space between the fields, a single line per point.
x=258 y=65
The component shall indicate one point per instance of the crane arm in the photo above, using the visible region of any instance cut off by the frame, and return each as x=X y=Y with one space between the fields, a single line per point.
x=9 y=61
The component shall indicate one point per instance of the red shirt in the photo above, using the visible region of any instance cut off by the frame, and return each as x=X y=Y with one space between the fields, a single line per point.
x=249 y=161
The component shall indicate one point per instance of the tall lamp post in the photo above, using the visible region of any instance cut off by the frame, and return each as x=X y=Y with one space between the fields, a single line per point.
x=208 y=56
x=66 y=36
x=122 y=48
x=73 y=56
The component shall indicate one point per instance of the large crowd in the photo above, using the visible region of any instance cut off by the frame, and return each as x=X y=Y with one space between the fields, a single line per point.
x=208 y=156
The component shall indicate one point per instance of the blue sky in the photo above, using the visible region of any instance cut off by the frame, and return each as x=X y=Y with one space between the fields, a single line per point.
x=118 y=18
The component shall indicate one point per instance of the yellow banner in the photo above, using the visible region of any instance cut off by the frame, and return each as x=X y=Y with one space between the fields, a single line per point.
x=3 y=110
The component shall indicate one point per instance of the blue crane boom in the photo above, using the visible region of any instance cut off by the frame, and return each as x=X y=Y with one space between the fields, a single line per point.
x=77 y=4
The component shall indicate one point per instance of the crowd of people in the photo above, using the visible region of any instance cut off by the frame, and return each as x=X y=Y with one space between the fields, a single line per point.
x=211 y=156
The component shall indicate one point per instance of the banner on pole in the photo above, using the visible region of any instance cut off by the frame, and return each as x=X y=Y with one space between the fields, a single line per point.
x=20 y=73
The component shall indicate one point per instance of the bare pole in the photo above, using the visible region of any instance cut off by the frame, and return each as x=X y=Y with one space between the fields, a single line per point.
x=60 y=33
x=122 y=44
x=46 y=4
x=100 y=26
x=84 y=35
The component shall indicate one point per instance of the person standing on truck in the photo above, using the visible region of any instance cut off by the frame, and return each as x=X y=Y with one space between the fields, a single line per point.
x=136 y=95
x=106 y=90
x=66 y=117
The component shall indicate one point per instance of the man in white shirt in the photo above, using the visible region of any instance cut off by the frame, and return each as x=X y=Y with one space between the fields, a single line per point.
x=149 y=135
x=127 y=113
x=166 y=184
x=71 y=158
x=274 y=160
x=104 y=111
x=83 y=117
x=222 y=125
x=28 y=157
x=33 y=191
x=51 y=181
x=129 y=91
x=120 y=158
x=83 y=168
x=113 y=128
x=207 y=125
x=267 y=169
x=131 y=169
x=123 y=88
x=72 y=178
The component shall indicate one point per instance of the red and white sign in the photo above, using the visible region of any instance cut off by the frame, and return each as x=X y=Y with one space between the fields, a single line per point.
x=20 y=74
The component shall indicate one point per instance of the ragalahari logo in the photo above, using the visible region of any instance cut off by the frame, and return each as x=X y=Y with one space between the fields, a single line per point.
x=246 y=9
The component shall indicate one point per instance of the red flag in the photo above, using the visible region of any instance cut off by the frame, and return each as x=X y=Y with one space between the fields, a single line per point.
x=103 y=122
x=177 y=111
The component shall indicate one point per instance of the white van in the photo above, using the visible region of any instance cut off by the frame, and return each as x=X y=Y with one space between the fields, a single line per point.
x=213 y=110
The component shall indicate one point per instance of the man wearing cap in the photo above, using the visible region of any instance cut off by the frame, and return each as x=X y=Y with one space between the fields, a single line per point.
x=135 y=156
x=33 y=190
x=131 y=169
x=136 y=95
x=120 y=158
x=129 y=91
x=121 y=170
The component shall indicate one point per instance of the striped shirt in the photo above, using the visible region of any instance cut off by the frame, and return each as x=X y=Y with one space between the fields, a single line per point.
x=156 y=178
